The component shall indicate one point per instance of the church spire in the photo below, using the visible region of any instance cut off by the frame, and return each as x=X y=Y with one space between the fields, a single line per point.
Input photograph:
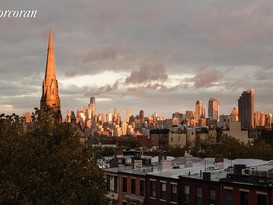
x=50 y=94
x=50 y=63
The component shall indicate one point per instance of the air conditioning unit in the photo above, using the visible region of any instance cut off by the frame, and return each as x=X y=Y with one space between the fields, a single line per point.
x=246 y=171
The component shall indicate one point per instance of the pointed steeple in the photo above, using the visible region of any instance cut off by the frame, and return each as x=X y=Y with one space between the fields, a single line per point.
x=50 y=63
x=50 y=94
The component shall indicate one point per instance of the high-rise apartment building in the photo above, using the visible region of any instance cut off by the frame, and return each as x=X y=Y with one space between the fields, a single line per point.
x=50 y=94
x=234 y=113
x=141 y=115
x=268 y=120
x=213 y=109
x=199 y=110
x=128 y=114
x=109 y=117
x=259 y=119
x=246 y=109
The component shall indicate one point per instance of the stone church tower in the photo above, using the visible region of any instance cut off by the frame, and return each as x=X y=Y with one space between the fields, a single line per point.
x=50 y=94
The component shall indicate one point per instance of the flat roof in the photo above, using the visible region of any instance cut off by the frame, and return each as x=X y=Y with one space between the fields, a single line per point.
x=217 y=171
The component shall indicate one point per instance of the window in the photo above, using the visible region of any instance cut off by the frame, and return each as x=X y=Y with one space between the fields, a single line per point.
x=228 y=197
x=171 y=139
x=108 y=182
x=186 y=194
x=163 y=190
x=142 y=187
x=244 y=198
x=133 y=186
x=261 y=199
x=124 y=184
x=199 y=196
x=115 y=184
x=174 y=193
x=124 y=203
x=153 y=189
x=212 y=196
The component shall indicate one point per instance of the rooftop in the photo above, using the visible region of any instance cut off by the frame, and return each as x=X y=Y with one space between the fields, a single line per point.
x=217 y=170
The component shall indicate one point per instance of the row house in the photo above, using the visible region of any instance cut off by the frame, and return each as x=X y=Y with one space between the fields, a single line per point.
x=202 y=182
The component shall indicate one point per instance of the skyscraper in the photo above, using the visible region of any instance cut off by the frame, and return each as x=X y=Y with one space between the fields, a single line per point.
x=199 y=110
x=259 y=118
x=91 y=108
x=246 y=109
x=141 y=115
x=213 y=109
x=128 y=114
x=50 y=94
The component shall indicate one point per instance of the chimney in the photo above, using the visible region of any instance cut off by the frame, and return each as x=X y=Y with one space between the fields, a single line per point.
x=137 y=164
x=188 y=159
x=166 y=165
x=206 y=176
x=219 y=162
x=238 y=169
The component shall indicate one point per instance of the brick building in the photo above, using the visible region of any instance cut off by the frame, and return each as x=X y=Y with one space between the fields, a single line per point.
x=192 y=181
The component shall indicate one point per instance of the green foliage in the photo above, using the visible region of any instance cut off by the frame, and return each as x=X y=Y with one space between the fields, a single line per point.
x=103 y=152
x=261 y=150
x=176 y=151
x=46 y=164
x=131 y=145
x=152 y=153
x=228 y=147
x=232 y=148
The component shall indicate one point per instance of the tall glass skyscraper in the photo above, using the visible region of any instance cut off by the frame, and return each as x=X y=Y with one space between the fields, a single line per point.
x=246 y=109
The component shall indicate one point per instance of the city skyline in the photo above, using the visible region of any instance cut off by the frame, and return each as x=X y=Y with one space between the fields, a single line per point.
x=139 y=55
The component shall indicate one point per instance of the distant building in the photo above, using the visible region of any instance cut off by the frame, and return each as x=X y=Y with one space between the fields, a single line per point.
x=109 y=117
x=141 y=115
x=27 y=117
x=128 y=114
x=225 y=120
x=234 y=130
x=234 y=113
x=268 y=120
x=246 y=109
x=213 y=109
x=178 y=117
x=199 y=110
x=259 y=119
x=91 y=108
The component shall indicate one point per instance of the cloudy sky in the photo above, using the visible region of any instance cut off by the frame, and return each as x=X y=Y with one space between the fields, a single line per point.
x=160 y=56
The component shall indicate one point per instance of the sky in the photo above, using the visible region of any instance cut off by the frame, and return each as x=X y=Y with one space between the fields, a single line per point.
x=159 y=56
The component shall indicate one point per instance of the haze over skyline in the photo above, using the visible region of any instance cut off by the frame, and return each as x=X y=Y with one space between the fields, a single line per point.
x=158 y=57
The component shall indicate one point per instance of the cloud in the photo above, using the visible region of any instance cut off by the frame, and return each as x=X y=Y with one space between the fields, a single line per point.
x=6 y=106
x=263 y=76
x=148 y=73
x=92 y=37
x=160 y=87
x=98 y=91
x=72 y=73
x=3 y=70
x=105 y=54
x=206 y=78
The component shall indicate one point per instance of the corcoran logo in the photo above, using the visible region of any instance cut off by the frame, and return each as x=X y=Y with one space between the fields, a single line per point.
x=18 y=13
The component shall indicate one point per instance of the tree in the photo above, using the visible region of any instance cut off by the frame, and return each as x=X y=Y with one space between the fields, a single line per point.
x=46 y=164
x=260 y=150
